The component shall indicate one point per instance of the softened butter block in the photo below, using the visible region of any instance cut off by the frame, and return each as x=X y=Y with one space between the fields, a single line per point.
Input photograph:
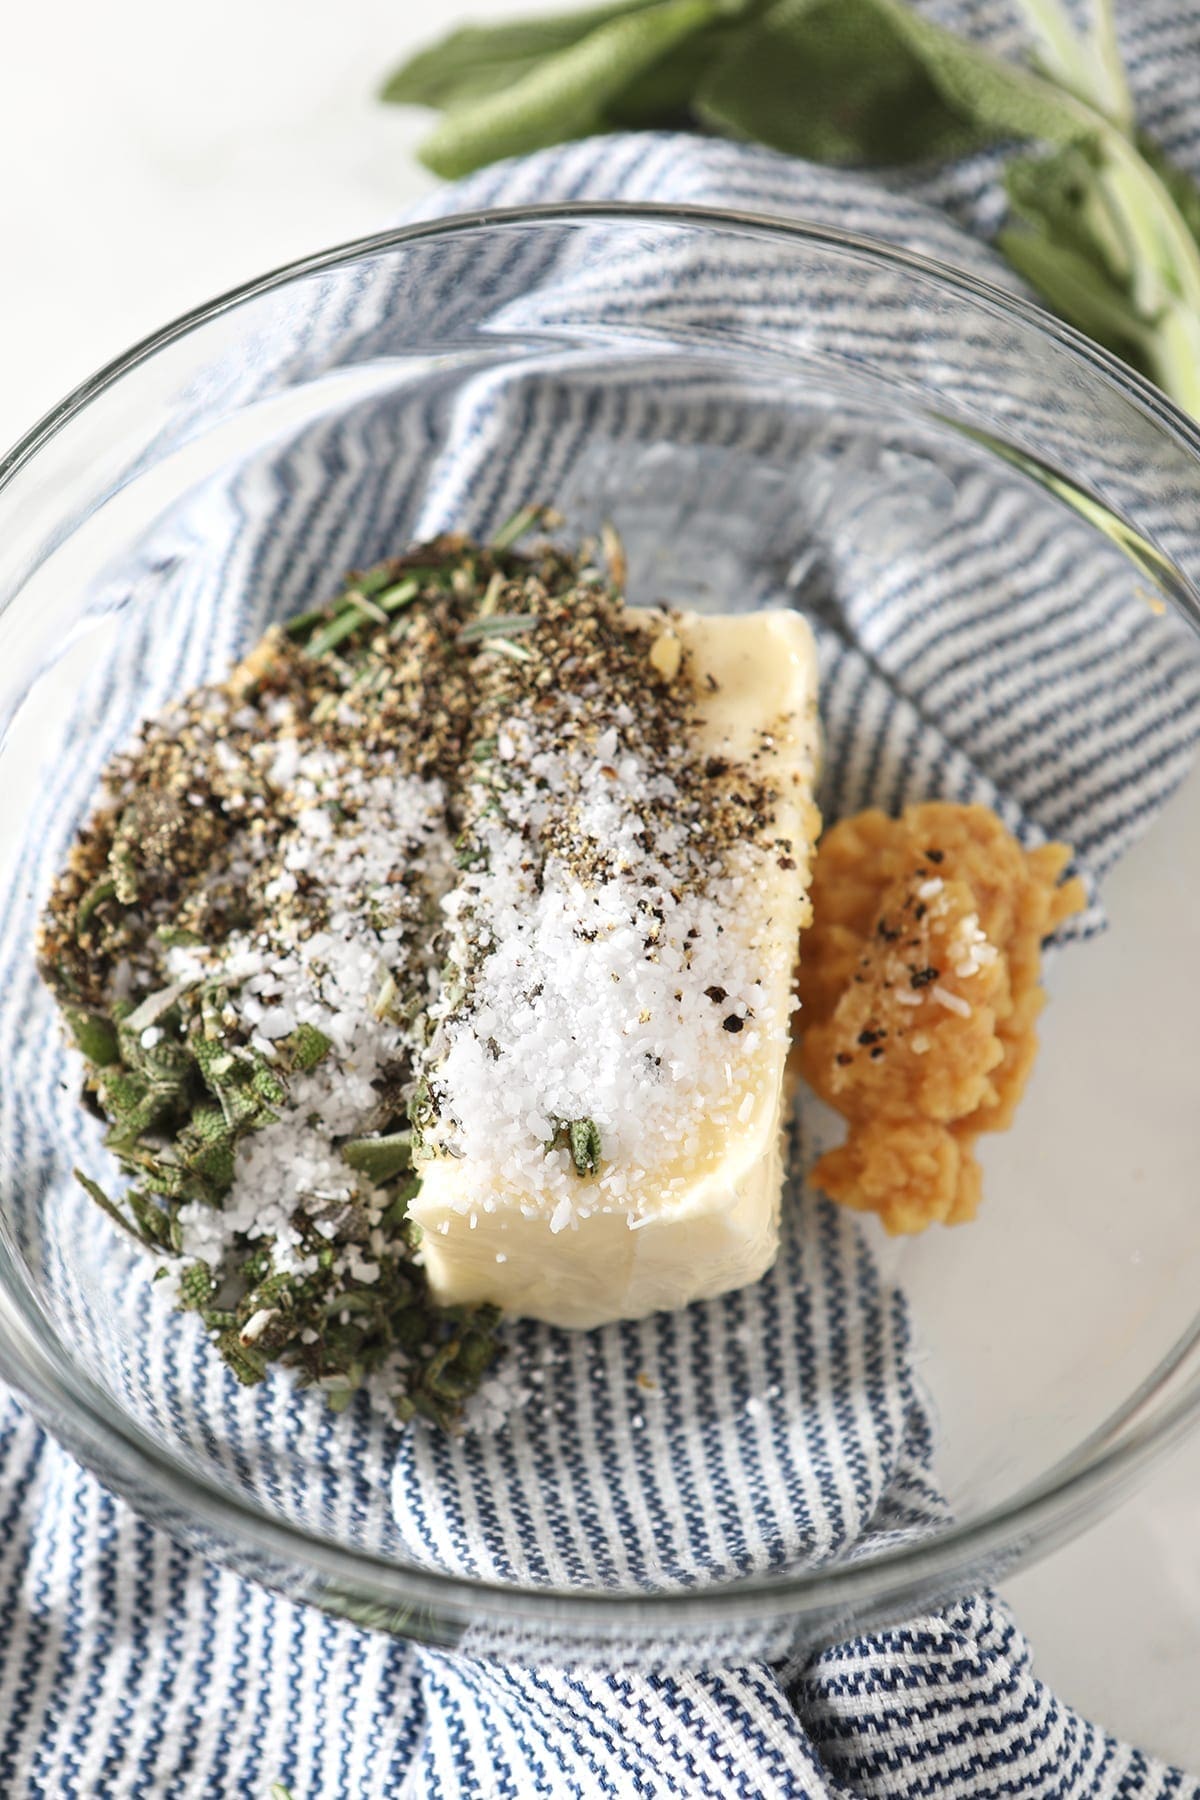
x=653 y=1004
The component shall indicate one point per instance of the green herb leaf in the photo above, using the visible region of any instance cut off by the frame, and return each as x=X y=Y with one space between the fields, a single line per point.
x=873 y=81
x=175 y=935
x=205 y=1147
x=1183 y=190
x=1101 y=238
x=304 y=1048
x=97 y=894
x=1078 y=291
x=372 y=582
x=835 y=81
x=340 y=627
x=1088 y=66
x=158 y=1227
x=137 y=1105
x=392 y=598
x=242 y=1081
x=243 y=1359
x=564 y=95
x=865 y=82
x=497 y=625
x=97 y=1193
x=422 y=1111
x=301 y=623
x=516 y=527
x=479 y=60
x=438 y=1383
x=95 y=1035
x=583 y=1141
x=196 y=1287
x=1064 y=243
x=503 y=646
x=364 y=604
x=380 y=1159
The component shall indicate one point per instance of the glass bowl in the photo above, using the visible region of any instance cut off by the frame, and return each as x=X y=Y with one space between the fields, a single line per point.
x=832 y=444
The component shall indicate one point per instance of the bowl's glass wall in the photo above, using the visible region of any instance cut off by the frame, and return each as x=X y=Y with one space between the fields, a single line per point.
x=798 y=460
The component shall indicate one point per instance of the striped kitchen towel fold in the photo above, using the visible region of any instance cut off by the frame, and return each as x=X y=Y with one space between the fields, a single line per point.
x=130 y=1666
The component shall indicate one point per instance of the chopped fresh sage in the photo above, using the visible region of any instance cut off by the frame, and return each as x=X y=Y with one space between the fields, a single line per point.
x=581 y=1138
x=380 y=1158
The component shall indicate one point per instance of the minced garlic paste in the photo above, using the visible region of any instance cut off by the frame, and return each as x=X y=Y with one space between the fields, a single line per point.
x=919 y=992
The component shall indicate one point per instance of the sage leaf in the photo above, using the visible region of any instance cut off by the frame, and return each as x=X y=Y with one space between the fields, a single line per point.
x=380 y=1159
x=997 y=96
x=304 y=1048
x=1098 y=233
x=564 y=95
x=835 y=81
x=583 y=1140
x=1183 y=190
x=245 y=1362
x=1078 y=291
x=479 y=60
x=94 y=1035
x=1088 y=66
x=196 y=1286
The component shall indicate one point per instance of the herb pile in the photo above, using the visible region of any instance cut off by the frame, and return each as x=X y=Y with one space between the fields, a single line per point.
x=241 y=945
x=1101 y=224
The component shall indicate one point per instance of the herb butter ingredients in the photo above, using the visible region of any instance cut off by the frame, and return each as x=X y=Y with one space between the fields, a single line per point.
x=391 y=960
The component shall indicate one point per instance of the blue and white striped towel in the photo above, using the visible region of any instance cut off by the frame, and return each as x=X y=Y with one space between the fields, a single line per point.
x=131 y=1667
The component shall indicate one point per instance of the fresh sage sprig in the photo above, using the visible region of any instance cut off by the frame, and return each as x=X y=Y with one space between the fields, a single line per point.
x=1101 y=225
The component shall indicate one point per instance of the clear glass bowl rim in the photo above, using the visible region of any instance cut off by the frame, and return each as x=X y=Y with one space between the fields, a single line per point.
x=1044 y=1512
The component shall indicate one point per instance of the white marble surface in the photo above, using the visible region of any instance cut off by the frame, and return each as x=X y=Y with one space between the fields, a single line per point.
x=154 y=155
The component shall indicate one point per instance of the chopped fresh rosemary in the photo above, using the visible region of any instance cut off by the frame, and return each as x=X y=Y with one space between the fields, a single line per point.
x=520 y=525
x=498 y=625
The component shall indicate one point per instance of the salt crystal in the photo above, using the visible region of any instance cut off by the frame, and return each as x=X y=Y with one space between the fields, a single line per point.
x=277 y=1022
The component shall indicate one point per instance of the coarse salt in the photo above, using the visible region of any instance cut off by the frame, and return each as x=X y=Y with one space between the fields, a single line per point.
x=592 y=1001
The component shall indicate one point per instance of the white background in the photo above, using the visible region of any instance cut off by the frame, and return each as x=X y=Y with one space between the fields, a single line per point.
x=152 y=155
